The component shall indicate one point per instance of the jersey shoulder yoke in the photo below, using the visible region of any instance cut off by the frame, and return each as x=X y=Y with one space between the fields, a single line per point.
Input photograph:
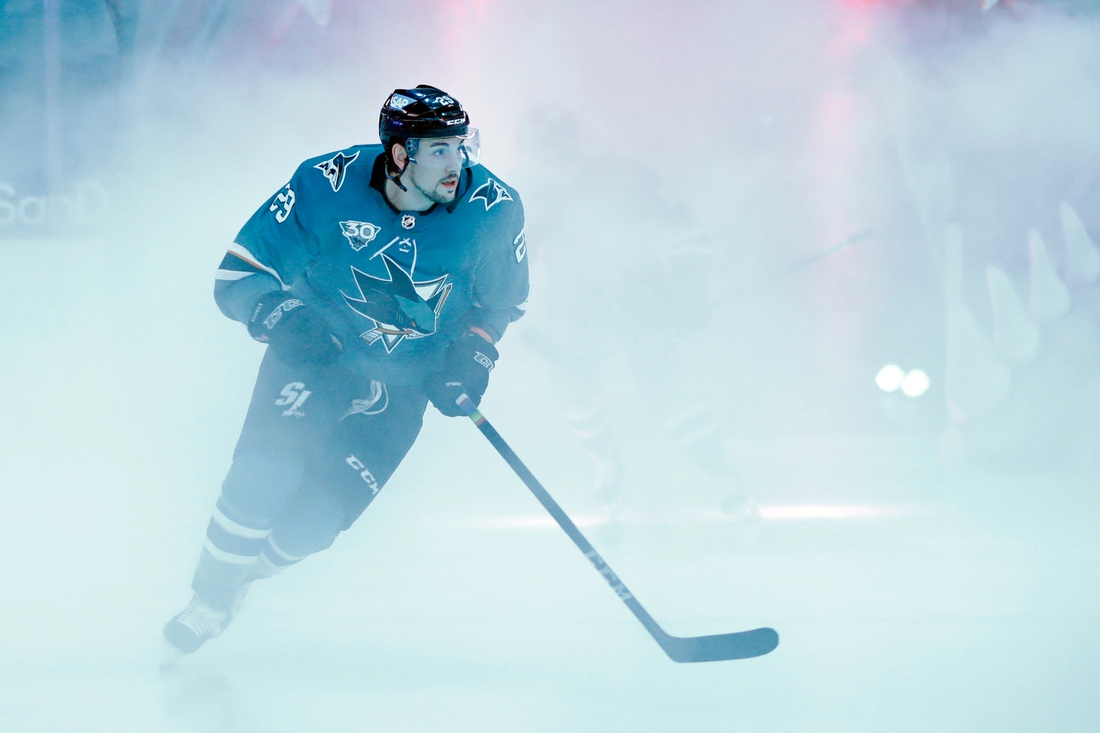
x=490 y=193
x=332 y=170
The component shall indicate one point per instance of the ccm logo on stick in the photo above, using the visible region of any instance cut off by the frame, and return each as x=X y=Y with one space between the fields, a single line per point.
x=608 y=575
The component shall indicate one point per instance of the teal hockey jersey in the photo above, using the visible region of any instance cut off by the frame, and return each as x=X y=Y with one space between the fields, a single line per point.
x=396 y=287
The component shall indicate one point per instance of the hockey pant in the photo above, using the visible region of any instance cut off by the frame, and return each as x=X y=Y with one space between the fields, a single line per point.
x=316 y=448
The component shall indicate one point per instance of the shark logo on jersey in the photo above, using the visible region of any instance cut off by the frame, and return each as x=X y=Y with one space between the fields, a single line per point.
x=359 y=233
x=397 y=306
x=492 y=193
x=335 y=167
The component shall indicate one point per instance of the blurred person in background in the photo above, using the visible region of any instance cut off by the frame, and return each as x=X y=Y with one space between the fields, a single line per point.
x=629 y=272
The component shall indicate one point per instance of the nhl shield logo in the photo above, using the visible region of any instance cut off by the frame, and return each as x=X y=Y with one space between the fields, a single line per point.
x=408 y=221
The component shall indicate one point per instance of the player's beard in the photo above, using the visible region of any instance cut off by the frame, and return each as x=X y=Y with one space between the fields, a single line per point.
x=436 y=193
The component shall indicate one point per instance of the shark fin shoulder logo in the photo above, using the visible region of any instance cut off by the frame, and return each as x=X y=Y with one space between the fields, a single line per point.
x=491 y=193
x=397 y=305
x=336 y=167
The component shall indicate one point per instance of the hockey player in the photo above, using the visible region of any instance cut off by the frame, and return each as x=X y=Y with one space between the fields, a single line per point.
x=380 y=277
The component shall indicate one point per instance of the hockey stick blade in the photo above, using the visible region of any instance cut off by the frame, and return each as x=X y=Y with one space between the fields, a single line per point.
x=715 y=648
x=720 y=647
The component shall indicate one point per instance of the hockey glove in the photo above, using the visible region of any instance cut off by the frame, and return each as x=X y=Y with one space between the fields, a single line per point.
x=466 y=366
x=293 y=331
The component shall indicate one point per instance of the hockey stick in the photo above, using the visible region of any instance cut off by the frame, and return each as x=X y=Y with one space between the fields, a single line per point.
x=740 y=645
x=844 y=244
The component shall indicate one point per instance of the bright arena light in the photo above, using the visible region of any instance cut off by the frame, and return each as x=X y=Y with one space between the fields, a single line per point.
x=826 y=511
x=889 y=377
x=915 y=383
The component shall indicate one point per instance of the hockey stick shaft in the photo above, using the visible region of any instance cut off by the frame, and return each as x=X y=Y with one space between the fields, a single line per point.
x=698 y=649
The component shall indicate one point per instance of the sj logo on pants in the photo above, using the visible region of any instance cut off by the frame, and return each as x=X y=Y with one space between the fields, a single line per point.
x=295 y=395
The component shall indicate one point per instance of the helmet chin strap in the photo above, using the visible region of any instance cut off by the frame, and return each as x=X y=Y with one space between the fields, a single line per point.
x=408 y=159
x=397 y=178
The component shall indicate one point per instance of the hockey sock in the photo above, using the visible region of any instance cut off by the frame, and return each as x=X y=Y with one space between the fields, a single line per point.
x=272 y=560
x=590 y=423
x=697 y=432
x=229 y=551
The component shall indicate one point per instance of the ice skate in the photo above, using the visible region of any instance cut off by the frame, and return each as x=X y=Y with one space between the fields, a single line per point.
x=738 y=505
x=195 y=625
x=739 y=508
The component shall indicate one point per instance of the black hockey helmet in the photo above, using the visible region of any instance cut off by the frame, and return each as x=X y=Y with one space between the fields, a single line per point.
x=421 y=112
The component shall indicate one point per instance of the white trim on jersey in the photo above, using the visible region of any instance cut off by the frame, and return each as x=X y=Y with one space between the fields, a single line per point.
x=232 y=275
x=244 y=254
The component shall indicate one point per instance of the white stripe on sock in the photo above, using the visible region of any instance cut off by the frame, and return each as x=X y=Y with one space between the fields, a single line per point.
x=229 y=557
x=238 y=529
x=275 y=548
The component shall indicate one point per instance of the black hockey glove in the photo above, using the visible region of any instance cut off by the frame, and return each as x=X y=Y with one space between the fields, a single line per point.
x=293 y=331
x=466 y=367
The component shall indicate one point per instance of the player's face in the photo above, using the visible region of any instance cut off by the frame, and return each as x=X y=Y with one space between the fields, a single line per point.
x=435 y=168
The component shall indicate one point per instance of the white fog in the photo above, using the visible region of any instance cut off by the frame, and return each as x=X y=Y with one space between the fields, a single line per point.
x=812 y=343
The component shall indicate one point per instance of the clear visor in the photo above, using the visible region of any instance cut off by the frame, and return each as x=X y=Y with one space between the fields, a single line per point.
x=447 y=153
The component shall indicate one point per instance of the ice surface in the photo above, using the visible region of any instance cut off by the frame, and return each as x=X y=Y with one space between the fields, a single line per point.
x=926 y=570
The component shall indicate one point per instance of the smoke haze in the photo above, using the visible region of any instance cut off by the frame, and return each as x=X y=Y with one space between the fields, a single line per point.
x=737 y=215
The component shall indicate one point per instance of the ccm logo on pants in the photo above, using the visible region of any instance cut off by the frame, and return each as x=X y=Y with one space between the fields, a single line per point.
x=364 y=472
